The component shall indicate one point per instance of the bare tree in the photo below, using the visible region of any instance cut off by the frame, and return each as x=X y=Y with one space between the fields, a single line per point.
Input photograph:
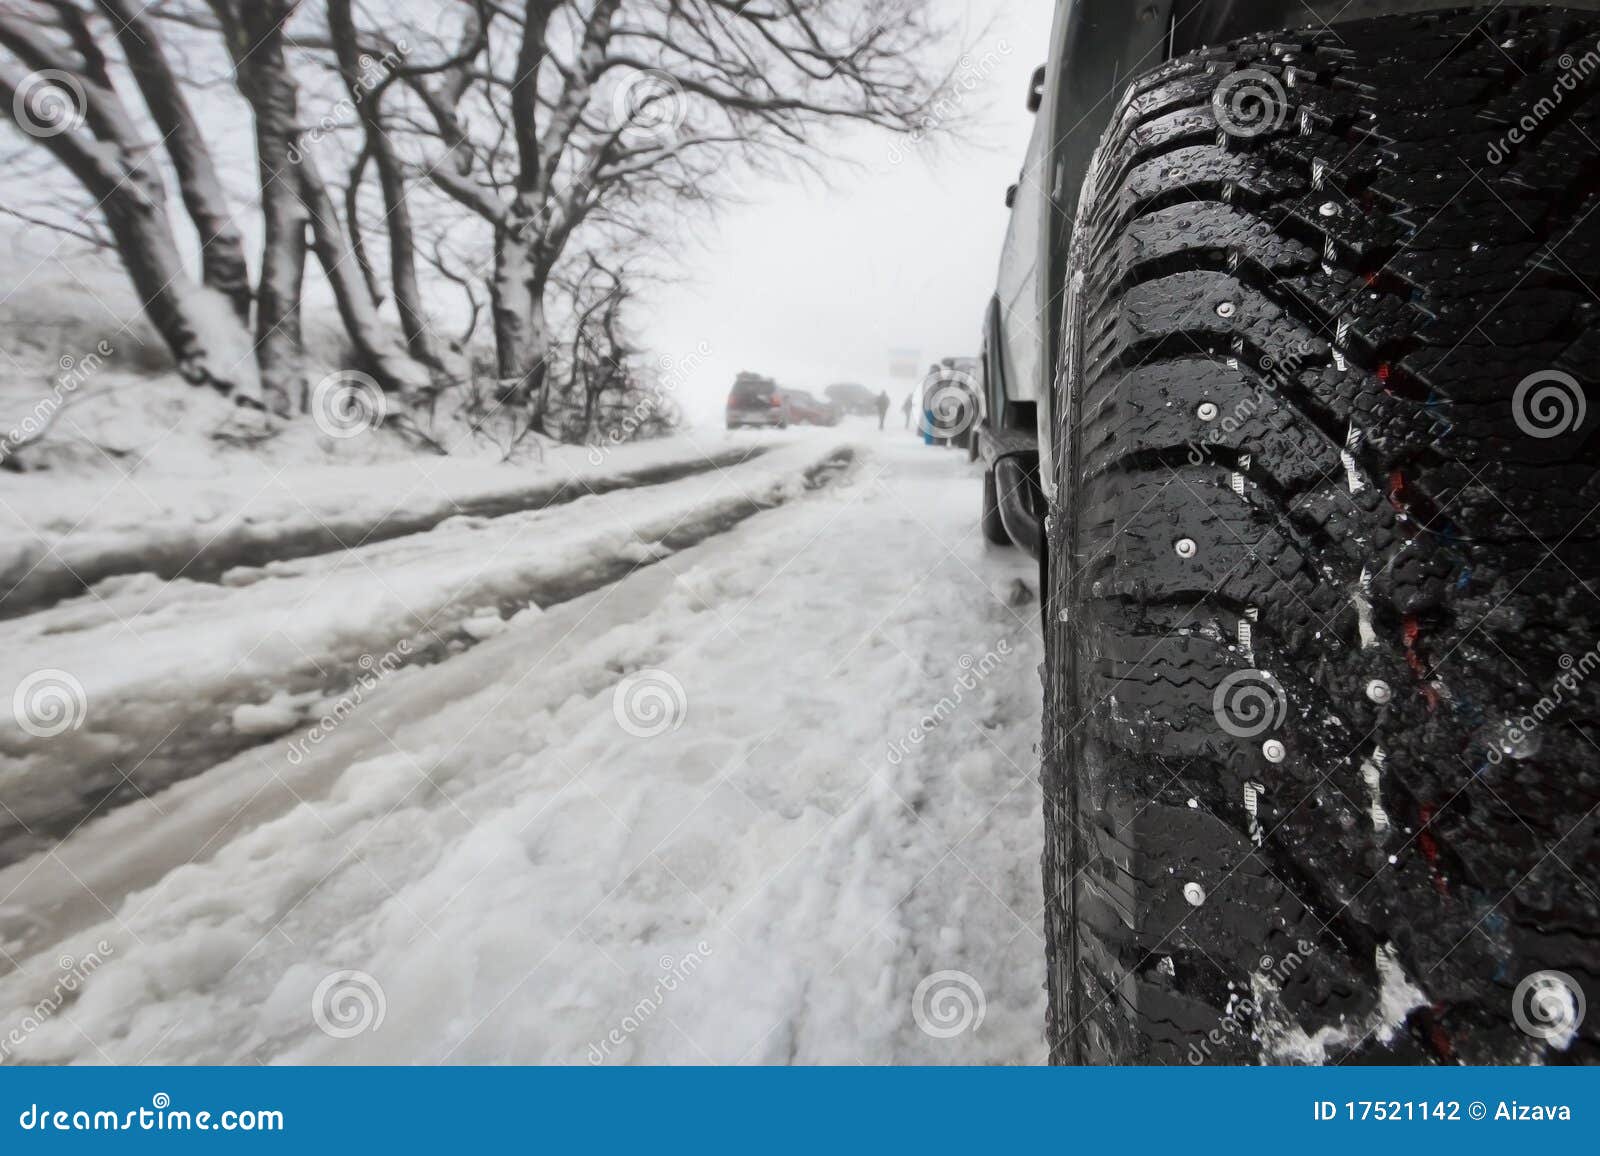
x=222 y=260
x=366 y=92
x=517 y=149
x=555 y=114
x=293 y=197
x=68 y=101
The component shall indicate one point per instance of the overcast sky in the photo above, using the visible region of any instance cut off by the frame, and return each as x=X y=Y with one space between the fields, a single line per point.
x=815 y=284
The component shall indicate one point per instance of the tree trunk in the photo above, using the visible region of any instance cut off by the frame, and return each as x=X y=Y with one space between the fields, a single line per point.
x=254 y=31
x=394 y=368
x=205 y=337
x=391 y=179
x=222 y=260
x=521 y=334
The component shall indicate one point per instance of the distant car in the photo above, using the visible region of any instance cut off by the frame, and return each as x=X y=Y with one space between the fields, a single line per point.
x=757 y=401
x=809 y=409
x=854 y=399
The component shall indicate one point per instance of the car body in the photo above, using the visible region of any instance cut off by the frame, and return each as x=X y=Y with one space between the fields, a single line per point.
x=757 y=401
x=806 y=408
x=854 y=399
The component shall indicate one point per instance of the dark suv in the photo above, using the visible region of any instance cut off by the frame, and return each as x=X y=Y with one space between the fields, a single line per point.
x=1289 y=383
x=757 y=401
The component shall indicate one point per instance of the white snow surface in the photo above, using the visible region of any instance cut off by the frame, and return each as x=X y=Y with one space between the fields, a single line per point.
x=62 y=528
x=772 y=799
x=166 y=668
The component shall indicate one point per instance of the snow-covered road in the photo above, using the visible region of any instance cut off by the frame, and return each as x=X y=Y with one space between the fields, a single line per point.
x=771 y=799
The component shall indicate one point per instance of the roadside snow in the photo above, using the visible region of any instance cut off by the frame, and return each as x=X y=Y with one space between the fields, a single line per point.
x=772 y=800
x=167 y=678
x=61 y=534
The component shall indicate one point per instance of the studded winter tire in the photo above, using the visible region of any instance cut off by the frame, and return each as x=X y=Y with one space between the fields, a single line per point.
x=1322 y=746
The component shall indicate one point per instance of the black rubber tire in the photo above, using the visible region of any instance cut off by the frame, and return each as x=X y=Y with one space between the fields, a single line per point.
x=994 y=530
x=1367 y=534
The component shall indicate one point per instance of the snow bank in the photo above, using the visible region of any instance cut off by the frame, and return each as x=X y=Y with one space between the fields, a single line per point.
x=61 y=535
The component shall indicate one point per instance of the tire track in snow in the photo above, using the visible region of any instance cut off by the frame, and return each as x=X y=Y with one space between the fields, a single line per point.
x=150 y=725
x=43 y=583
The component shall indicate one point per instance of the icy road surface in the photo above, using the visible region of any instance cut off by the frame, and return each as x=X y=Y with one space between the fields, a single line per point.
x=772 y=799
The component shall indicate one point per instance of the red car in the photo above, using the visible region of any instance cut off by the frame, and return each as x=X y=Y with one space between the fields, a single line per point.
x=809 y=409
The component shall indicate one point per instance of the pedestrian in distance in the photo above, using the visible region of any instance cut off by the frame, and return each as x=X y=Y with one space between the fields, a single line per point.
x=883 y=407
x=906 y=409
